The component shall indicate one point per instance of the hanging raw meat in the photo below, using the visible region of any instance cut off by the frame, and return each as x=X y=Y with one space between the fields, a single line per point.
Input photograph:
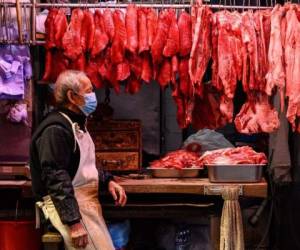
x=133 y=85
x=72 y=38
x=120 y=38
x=164 y=22
x=123 y=71
x=215 y=79
x=91 y=70
x=87 y=31
x=185 y=33
x=276 y=75
x=206 y=112
x=181 y=109
x=60 y=27
x=131 y=22
x=201 y=47
x=257 y=116
x=55 y=64
x=165 y=73
x=101 y=39
x=147 y=71
x=174 y=65
x=49 y=28
x=172 y=43
x=143 y=32
x=79 y=63
x=109 y=24
x=55 y=26
x=292 y=69
x=136 y=64
x=152 y=22
x=183 y=94
x=108 y=71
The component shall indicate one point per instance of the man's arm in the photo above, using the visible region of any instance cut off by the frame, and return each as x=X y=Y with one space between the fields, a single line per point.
x=55 y=151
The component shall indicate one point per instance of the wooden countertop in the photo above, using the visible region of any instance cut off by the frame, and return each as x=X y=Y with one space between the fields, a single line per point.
x=189 y=186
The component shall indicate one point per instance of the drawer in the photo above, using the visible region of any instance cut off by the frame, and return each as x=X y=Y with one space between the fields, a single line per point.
x=116 y=140
x=118 y=161
x=114 y=125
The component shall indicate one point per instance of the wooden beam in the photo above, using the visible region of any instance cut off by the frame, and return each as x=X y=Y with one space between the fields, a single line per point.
x=188 y=186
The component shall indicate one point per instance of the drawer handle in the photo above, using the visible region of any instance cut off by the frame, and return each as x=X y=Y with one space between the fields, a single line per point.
x=117 y=163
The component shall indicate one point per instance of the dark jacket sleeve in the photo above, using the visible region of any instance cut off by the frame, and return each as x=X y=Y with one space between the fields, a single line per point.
x=55 y=149
x=104 y=179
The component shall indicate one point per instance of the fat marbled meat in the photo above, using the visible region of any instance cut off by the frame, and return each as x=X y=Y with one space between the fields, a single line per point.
x=179 y=159
x=233 y=156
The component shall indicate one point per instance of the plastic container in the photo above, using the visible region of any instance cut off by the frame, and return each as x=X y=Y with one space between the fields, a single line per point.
x=19 y=235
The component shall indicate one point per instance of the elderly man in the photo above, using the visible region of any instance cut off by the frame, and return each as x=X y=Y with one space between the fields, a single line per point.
x=63 y=167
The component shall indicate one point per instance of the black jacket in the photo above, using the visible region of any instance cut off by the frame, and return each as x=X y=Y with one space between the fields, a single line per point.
x=53 y=163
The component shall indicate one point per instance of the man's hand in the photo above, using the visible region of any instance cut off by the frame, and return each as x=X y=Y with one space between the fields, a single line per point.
x=78 y=235
x=118 y=193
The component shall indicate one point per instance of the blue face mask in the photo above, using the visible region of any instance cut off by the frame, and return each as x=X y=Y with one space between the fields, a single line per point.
x=90 y=103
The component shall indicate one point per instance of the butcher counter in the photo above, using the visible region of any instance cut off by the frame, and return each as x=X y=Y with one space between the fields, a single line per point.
x=163 y=197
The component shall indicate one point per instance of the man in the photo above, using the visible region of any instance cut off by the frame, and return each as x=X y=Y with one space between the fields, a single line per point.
x=63 y=167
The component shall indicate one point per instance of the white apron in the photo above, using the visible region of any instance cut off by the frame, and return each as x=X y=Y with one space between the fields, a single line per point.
x=85 y=185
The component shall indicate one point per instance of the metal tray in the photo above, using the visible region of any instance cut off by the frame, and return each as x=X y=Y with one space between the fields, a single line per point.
x=174 y=173
x=235 y=173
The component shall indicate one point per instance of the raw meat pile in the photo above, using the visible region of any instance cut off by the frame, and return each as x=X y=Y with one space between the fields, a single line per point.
x=178 y=159
x=258 y=49
x=233 y=156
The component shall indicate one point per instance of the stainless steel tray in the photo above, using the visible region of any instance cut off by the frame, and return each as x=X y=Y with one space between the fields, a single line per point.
x=174 y=173
x=235 y=173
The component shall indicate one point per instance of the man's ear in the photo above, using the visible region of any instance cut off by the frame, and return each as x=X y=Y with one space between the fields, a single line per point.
x=70 y=96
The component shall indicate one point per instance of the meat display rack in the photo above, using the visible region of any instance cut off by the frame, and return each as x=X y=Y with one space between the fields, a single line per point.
x=22 y=10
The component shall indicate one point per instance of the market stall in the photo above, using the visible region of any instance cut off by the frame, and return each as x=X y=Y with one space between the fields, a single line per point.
x=184 y=71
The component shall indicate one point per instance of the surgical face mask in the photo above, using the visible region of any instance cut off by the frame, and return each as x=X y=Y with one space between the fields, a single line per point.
x=90 y=104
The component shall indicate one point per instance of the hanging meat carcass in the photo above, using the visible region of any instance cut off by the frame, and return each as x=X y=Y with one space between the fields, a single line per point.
x=131 y=21
x=72 y=38
x=120 y=38
x=101 y=38
x=276 y=75
x=257 y=115
x=152 y=22
x=143 y=43
x=185 y=33
x=201 y=46
x=292 y=68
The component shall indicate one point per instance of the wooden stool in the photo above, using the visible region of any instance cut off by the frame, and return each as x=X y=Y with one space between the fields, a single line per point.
x=52 y=241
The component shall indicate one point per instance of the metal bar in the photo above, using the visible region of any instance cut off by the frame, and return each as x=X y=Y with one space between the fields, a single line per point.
x=113 y=5
x=156 y=6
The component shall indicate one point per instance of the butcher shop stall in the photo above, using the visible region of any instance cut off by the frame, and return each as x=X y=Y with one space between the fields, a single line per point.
x=198 y=118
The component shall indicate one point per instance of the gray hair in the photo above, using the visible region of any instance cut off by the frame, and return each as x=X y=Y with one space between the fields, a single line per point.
x=67 y=80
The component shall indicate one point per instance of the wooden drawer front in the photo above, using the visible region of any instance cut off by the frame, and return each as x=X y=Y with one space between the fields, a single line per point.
x=114 y=125
x=116 y=140
x=118 y=160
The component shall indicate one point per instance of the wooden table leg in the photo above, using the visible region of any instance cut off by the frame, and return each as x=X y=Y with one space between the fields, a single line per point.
x=215 y=222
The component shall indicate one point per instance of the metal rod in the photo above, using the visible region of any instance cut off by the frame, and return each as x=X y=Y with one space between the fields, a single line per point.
x=113 y=5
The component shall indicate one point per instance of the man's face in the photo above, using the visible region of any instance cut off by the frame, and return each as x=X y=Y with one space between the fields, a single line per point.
x=77 y=98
